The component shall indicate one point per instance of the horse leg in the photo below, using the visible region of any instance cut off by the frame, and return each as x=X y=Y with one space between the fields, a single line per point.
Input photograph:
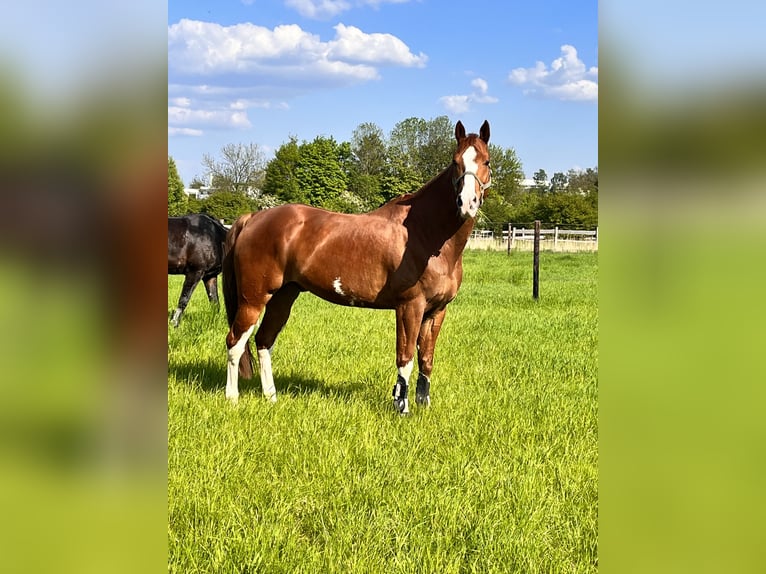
x=408 y=320
x=429 y=331
x=190 y=282
x=236 y=342
x=211 y=286
x=274 y=318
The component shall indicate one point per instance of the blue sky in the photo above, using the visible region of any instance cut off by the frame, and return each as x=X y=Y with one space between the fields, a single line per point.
x=242 y=71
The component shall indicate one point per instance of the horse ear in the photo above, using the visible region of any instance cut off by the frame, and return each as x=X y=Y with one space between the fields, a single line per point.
x=459 y=131
x=484 y=132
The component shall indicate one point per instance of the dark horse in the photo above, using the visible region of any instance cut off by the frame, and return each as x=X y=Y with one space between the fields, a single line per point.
x=406 y=255
x=195 y=249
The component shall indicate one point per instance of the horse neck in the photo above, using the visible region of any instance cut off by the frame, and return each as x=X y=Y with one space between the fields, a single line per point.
x=434 y=216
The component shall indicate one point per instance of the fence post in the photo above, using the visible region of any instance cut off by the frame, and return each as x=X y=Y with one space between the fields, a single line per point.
x=536 y=263
x=555 y=237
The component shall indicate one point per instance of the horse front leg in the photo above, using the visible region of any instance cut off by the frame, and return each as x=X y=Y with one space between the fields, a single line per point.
x=190 y=282
x=408 y=319
x=429 y=331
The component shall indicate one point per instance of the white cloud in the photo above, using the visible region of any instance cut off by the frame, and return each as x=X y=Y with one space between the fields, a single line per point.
x=319 y=9
x=354 y=45
x=173 y=131
x=185 y=119
x=456 y=104
x=459 y=104
x=326 y=9
x=566 y=79
x=181 y=102
x=480 y=84
x=218 y=72
x=287 y=52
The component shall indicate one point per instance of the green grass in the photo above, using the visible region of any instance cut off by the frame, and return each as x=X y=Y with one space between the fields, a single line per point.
x=498 y=475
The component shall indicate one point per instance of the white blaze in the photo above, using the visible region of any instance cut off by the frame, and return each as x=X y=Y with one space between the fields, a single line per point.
x=470 y=203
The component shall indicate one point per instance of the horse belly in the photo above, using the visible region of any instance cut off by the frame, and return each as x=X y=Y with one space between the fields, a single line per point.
x=344 y=287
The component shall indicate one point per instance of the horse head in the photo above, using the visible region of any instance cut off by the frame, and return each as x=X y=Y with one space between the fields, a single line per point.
x=471 y=173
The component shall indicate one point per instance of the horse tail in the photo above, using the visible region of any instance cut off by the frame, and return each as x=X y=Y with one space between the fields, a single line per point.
x=230 y=291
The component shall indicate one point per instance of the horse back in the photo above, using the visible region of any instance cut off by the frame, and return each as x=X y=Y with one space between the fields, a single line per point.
x=195 y=243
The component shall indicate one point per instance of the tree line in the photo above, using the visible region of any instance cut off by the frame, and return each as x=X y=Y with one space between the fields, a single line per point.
x=371 y=169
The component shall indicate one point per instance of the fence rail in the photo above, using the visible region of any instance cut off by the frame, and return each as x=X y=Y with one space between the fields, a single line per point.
x=522 y=238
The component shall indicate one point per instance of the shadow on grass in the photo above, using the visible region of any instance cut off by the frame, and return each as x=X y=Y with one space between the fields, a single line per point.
x=210 y=376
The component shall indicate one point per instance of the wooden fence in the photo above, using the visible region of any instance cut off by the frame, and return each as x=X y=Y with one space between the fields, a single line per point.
x=522 y=239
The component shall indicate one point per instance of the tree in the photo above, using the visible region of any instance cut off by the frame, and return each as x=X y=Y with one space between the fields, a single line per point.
x=437 y=147
x=541 y=181
x=240 y=170
x=177 y=201
x=281 y=180
x=228 y=205
x=421 y=148
x=368 y=164
x=321 y=174
x=505 y=193
x=315 y=173
x=583 y=181
x=417 y=151
x=368 y=147
x=559 y=182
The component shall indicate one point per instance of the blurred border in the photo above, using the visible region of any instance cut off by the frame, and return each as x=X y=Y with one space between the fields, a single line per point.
x=83 y=402
x=682 y=239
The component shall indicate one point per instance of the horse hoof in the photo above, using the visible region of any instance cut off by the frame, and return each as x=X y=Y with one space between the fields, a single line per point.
x=233 y=400
x=401 y=403
x=423 y=391
x=402 y=407
x=423 y=400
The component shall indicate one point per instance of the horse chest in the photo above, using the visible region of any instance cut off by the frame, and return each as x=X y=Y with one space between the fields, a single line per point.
x=441 y=281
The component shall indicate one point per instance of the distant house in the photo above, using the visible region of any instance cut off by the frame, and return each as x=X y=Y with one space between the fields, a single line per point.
x=205 y=191
x=529 y=184
x=201 y=193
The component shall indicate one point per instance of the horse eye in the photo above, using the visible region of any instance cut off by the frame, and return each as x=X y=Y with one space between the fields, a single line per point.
x=486 y=163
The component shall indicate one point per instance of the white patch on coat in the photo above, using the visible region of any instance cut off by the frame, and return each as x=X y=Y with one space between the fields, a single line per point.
x=338 y=288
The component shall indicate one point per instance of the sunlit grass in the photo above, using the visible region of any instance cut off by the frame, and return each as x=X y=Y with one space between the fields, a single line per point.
x=499 y=475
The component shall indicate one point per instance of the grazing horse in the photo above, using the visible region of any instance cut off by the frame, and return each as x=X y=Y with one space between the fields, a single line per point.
x=195 y=249
x=406 y=255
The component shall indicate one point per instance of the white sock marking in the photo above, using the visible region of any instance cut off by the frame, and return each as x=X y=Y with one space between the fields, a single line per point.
x=267 y=377
x=406 y=371
x=232 y=366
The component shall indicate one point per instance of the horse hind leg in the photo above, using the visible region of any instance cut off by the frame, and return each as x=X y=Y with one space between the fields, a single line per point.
x=237 y=344
x=190 y=282
x=211 y=287
x=276 y=315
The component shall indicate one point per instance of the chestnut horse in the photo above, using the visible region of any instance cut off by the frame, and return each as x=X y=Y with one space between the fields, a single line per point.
x=406 y=255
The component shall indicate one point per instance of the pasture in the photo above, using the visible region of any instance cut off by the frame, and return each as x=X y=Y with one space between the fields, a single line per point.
x=498 y=475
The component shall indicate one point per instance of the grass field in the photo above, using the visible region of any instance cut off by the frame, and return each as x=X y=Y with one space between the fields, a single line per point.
x=498 y=475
